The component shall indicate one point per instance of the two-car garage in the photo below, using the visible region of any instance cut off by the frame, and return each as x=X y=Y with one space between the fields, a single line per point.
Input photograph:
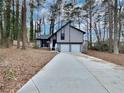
x=70 y=48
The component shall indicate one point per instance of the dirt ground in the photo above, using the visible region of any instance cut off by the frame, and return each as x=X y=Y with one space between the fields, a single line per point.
x=117 y=59
x=18 y=66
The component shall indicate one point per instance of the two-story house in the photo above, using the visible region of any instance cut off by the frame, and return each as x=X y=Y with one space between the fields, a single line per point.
x=67 y=39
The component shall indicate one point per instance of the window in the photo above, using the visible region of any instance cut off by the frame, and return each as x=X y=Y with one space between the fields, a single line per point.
x=62 y=35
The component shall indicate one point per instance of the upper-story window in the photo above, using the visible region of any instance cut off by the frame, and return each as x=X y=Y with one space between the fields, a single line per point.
x=63 y=34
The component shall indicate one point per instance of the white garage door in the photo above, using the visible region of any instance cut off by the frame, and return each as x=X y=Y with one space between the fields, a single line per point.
x=75 y=48
x=64 y=48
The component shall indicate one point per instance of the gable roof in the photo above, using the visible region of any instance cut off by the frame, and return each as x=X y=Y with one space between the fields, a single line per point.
x=77 y=29
x=62 y=27
x=49 y=36
x=70 y=26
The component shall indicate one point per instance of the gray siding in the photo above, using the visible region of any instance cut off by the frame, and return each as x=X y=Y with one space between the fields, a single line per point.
x=66 y=35
x=75 y=36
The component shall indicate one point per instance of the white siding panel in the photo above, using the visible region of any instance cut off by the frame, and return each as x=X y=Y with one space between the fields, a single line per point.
x=64 y=48
x=75 y=48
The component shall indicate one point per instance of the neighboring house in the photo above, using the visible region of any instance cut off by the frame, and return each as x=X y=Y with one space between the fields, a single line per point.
x=66 y=39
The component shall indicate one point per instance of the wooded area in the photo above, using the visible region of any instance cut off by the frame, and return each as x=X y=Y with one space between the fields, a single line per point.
x=108 y=29
x=103 y=20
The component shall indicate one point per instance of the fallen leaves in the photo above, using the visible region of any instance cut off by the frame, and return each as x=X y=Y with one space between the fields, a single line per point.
x=117 y=59
x=18 y=66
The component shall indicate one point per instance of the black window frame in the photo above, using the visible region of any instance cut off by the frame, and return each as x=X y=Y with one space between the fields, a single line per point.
x=63 y=34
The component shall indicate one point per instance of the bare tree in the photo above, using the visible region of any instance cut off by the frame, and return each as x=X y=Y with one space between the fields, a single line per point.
x=24 y=32
x=89 y=6
x=31 y=20
x=17 y=24
x=116 y=32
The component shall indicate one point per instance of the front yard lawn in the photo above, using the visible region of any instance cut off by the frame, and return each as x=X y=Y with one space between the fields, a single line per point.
x=117 y=59
x=18 y=66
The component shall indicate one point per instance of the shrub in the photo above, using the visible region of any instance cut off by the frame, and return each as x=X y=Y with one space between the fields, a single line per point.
x=103 y=47
x=121 y=48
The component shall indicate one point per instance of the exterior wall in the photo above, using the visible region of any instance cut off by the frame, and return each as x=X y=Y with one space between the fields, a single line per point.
x=66 y=35
x=75 y=36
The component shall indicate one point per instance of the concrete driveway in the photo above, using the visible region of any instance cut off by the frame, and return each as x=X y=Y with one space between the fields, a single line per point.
x=77 y=73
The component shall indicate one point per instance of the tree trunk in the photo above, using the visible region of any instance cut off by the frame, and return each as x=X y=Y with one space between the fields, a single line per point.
x=31 y=21
x=44 y=25
x=110 y=27
x=7 y=16
x=79 y=24
x=13 y=33
x=17 y=24
x=90 y=14
x=105 y=22
x=98 y=37
x=116 y=34
x=120 y=26
x=24 y=32
x=52 y=25
x=1 y=25
x=35 y=29
x=1 y=31
x=87 y=32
